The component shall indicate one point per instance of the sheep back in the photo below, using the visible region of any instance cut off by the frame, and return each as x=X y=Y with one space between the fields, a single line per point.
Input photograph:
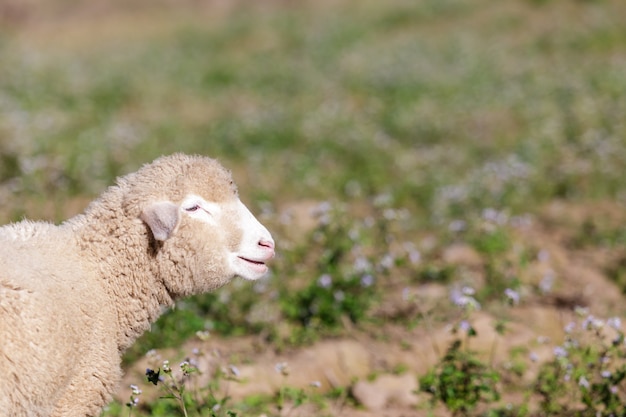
x=50 y=339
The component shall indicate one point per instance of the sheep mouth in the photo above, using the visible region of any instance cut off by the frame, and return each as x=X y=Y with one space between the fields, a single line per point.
x=250 y=268
x=252 y=261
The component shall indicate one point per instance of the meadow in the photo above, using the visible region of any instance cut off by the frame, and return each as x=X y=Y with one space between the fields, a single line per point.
x=445 y=181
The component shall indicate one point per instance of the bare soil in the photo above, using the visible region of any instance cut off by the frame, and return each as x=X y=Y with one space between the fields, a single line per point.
x=381 y=365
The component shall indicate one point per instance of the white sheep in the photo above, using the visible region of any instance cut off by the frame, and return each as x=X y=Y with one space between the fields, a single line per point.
x=73 y=297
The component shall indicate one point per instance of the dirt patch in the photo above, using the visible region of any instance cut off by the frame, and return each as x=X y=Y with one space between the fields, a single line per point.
x=381 y=366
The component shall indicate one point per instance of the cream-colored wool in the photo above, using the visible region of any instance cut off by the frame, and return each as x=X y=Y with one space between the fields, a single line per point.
x=73 y=297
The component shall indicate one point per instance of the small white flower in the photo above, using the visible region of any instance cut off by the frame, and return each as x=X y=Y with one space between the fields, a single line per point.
x=464 y=299
x=467 y=302
x=367 y=280
x=315 y=384
x=512 y=296
x=560 y=352
x=592 y=323
x=234 y=370
x=465 y=326
x=387 y=261
x=468 y=290
x=598 y=324
x=382 y=200
x=614 y=323
x=325 y=281
x=491 y=215
x=543 y=256
x=406 y=294
x=582 y=381
x=203 y=335
x=533 y=357
x=390 y=214
x=135 y=389
x=581 y=311
x=605 y=374
x=414 y=255
x=457 y=226
x=282 y=368
x=547 y=283
x=186 y=367
x=361 y=264
x=322 y=209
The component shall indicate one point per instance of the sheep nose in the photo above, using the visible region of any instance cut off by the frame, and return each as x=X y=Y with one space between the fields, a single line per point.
x=267 y=243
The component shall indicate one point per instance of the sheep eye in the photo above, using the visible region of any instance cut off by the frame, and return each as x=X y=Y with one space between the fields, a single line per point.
x=192 y=208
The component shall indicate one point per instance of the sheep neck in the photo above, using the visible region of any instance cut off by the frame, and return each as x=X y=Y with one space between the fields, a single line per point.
x=119 y=248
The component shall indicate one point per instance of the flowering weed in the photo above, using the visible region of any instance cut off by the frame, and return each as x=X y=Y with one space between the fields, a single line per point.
x=588 y=372
x=461 y=381
x=350 y=256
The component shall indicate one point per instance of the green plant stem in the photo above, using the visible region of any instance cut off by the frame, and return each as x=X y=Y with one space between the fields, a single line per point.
x=492 y=351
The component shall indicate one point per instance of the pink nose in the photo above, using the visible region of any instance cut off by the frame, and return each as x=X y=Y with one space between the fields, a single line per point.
x=269 y=244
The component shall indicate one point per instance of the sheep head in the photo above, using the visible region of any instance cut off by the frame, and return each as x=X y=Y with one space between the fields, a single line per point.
x=204 y=234
x=246 y=244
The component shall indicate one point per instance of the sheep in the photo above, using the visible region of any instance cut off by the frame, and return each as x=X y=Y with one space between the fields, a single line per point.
x=73 y=297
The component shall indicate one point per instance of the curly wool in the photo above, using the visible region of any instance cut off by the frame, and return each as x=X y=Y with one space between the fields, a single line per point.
x=73 y=297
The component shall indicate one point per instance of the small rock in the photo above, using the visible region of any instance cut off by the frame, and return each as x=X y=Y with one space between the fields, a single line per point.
x=385 y=390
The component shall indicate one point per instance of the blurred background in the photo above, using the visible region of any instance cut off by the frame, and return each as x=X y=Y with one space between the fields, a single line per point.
x=420 y=100
x=396 y=149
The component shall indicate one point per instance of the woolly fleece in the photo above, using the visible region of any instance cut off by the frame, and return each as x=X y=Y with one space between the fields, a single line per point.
x=73 y=297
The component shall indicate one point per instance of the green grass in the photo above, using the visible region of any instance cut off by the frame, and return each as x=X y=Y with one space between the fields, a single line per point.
x=437 y=91
x=439 y=108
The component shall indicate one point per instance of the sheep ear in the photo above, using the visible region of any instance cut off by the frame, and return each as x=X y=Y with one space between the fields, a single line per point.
x=162 y=218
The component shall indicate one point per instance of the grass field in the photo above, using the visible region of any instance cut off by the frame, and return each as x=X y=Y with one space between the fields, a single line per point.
x=406 y=127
